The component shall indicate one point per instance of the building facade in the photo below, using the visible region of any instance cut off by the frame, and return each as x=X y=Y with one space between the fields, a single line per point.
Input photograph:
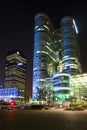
x=56 y=56
x=15 y=72
x=70 y=47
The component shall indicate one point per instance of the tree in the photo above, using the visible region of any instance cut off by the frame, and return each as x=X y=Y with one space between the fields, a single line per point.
x=41 y=93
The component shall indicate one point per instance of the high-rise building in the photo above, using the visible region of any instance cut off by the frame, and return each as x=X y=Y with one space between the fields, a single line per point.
x=44 y=55
x=70 y=46
x=15 y=71
x=56 y=56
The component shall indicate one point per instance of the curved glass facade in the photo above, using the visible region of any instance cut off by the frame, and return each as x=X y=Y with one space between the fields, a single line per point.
x=61 y=85
x=56 y=56
x=43 y=52
x=70 y=47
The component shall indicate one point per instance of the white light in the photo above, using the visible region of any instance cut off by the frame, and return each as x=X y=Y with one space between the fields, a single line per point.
x=36 y=27
x=46 y=53
x=60 y=74
x=40 y=79
x=20 y=64
x=18 y=52
x=48 y=43
x=40 y=29
x=49 y=49
x=75 y=26
x=59 y=41
x=62 y=88
x=46 y=27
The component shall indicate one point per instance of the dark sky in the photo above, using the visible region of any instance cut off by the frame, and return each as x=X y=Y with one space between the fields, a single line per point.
x=17 y=23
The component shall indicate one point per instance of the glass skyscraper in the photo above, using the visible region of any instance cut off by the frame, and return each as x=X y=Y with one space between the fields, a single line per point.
x=70 y=46
x=56 y=56
x=44 y=55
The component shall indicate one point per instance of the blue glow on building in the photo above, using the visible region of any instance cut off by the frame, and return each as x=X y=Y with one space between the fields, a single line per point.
x=11 y=93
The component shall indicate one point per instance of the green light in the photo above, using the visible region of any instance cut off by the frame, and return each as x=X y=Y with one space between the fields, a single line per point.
x=61 y=96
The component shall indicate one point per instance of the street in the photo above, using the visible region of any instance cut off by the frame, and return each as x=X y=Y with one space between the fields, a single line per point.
x=43 y=120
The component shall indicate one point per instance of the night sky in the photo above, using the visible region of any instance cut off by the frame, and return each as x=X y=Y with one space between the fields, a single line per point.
x=17 y=23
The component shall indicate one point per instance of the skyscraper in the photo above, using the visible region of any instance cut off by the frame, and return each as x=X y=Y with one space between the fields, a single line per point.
x=70 y=46
x=15 y=70
x=56 y=54
x=44 y=57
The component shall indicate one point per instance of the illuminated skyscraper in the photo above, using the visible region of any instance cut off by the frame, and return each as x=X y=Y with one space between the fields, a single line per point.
x=15 y=70
x=56 y=55
x=70 y=47
x=44 y=60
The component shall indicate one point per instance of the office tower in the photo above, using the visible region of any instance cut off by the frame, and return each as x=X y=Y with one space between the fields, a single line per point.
x=15 y=70
x=70 y=47
x=69 y=58
x=56 y=56
x=43 y=62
